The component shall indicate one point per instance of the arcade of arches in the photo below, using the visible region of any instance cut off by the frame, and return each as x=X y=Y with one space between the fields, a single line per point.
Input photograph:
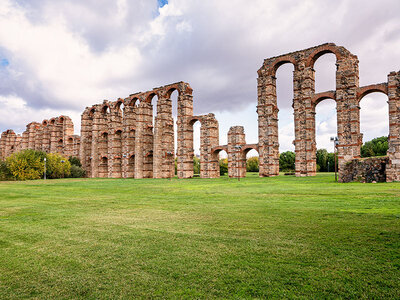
x=119 y=138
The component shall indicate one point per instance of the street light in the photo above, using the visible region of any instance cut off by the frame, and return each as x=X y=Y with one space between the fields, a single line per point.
x=335 y=141
x=238 y=147
x=44 y=175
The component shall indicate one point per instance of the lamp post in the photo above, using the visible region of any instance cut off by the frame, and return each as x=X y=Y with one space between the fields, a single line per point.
x=238 y=148
x=44 y=175
x=335 y=141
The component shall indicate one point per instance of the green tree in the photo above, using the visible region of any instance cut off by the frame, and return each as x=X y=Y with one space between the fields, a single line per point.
x=57 y=166
x=287 y=161
x=5 y=173
x=252 y=164
x=26 y=165
x=376 y=147
x=223 y=166
x=322 y=160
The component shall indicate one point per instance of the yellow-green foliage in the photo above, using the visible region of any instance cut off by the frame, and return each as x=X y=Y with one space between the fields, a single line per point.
x=26 y=165
x=57 y=166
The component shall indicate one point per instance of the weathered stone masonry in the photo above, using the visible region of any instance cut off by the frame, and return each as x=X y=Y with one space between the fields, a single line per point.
x=55 y=135
x=119 y=138
x=347 y=96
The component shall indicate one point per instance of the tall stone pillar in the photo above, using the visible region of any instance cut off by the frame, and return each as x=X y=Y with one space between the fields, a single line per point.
x=163 y=153
x=144 y=141
x=209 y=138
x=267 y=110
x=393 y=167
x=85 y=151
x=185 y=151
x=115 y=140
x=348 y=111
x=129 y=124
x=304 y=121
x=236 y=155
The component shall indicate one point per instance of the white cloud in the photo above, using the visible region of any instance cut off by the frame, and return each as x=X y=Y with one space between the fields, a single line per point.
x=68 y=54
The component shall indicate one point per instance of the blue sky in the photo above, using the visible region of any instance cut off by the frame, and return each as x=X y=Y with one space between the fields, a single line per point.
x=4 y=62
x=69 y=54
x=161 y=3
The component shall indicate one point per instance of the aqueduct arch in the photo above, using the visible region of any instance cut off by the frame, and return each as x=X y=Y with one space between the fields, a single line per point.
x=347 y=97
x=119 y=138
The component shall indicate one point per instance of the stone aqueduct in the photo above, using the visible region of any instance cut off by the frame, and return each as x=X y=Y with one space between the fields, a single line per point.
x=124 y=142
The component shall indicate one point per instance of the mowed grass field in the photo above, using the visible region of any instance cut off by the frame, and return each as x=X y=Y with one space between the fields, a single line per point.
x=282 y=237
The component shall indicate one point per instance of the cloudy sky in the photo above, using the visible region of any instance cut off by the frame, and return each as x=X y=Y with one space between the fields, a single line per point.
x=57 y=57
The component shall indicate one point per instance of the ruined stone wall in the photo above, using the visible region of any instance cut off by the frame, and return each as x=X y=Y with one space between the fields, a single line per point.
x=371 y=169
x=51 y=136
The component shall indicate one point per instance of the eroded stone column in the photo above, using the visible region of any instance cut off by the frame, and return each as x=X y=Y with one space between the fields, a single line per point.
x=185 y=151
x=144 y=141
x=236 y=155
x=304 y=121
x=267 y=110
x=129 y=139
x=209 y=138
x=393 y=167
x=348 y=111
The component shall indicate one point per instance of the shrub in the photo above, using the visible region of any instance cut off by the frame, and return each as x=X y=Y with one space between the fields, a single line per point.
x=57 y=166
x=75 y=161
x=26 y=165
x=77 y=172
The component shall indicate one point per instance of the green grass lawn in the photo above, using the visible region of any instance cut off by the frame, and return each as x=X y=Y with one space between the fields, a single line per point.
x=280 y=237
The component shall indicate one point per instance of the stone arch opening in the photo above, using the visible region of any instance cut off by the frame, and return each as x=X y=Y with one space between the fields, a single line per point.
x=103 y=167
x=325 y=128
x=60 y=144
x=320 y=51
x=252 y=159
x=105 y=110
x=153 y=100
x=220 y=155
x=284 y=98
x=120 y=107
x=196 y=125
x=173 y=94
x=131 y=166
x=91 y=113
x=325 y=72
x=374 y=117
x=148 y=165
x=103 y=145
